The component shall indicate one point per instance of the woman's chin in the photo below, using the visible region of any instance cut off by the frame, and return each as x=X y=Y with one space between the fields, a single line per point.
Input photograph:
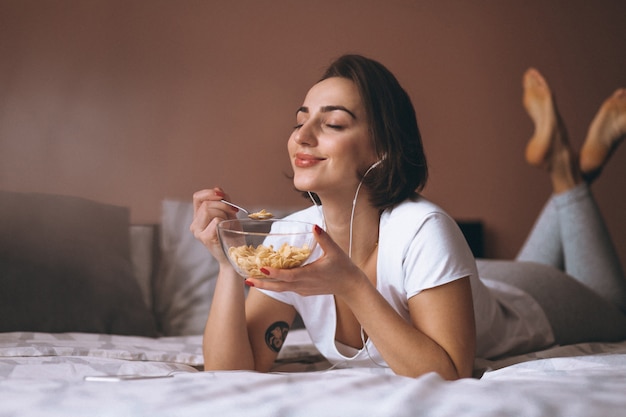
x=303 y=186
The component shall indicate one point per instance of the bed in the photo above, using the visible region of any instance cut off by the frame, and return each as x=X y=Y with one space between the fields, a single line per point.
x=100 y=317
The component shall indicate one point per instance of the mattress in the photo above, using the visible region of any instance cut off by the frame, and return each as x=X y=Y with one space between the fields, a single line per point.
x=80 y=374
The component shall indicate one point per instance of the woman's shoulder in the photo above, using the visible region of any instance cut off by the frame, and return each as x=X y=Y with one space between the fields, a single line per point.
x=418 y=218
x=416 y=208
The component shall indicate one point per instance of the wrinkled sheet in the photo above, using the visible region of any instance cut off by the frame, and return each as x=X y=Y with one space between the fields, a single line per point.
x=44 y=375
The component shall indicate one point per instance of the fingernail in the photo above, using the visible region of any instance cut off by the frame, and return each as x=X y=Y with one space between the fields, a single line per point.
x=264 y=271
x=220 y=193
x=318 y=230
x=249 y=283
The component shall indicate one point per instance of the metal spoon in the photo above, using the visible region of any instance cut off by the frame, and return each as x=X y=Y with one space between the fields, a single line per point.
x=260 y=215
x=235 y=206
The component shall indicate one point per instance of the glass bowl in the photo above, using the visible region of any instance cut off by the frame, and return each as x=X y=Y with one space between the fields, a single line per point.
x=253 y=244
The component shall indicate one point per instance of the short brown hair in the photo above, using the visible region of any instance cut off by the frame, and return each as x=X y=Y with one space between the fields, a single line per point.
x=393 y=128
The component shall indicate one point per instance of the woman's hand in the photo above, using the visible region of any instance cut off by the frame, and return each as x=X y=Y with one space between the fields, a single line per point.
x=333 y=273
x=208 y=211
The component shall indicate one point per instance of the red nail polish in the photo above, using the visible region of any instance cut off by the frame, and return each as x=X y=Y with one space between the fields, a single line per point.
x=318 y=230
x=264 y=271
x=219 y=193
x=249 y=283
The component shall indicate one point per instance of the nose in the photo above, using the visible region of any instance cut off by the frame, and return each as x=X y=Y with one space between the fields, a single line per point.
x=305 y=134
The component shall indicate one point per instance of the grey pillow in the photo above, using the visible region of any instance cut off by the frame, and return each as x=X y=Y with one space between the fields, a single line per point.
x=65 y=267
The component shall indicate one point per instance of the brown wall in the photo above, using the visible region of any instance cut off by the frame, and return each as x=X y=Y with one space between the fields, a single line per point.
x=130 y=102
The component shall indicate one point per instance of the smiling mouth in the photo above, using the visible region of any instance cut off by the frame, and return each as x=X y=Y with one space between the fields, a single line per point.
x=306 y=160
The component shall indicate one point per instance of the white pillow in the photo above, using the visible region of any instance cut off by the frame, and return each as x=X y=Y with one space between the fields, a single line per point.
x=185 y=282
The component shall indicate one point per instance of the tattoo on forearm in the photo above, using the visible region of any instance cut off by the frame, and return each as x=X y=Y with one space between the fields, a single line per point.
x=276 y=334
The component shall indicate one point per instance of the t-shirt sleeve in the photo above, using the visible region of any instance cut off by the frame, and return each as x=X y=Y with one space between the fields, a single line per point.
x=437 y=254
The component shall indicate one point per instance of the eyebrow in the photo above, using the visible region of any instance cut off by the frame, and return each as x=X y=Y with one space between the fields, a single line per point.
x=326 y=109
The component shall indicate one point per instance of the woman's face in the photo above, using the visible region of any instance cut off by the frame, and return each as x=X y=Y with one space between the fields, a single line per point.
x=330 y=142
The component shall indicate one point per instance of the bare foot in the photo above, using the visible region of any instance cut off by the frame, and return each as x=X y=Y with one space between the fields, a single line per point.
x=606 y=132
x=540 y=107
x=548 y=147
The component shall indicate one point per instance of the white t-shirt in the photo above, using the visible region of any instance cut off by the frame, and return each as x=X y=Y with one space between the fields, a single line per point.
x=421 y=247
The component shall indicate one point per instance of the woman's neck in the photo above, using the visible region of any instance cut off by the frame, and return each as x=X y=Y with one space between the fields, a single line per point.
x=364 y=239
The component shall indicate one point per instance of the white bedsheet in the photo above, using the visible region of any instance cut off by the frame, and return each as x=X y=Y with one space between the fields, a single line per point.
x=44 y=375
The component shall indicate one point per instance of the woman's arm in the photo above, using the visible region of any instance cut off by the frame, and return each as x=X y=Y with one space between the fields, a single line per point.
x=225 y=344
x=268 y=320
x=244 y=334
x=231 y=337
x=440 y=339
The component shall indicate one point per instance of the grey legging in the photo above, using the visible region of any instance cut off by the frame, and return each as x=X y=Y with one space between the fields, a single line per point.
x=569 y=265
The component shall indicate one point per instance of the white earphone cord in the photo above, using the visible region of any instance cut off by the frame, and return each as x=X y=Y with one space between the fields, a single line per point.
x=356 y=195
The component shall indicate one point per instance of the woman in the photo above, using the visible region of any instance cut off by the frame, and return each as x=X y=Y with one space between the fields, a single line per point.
x=397 y=285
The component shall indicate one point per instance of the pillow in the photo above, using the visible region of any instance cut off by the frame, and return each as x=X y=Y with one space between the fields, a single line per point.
x=65 y=267
x=143 y=255
x=185 y=282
